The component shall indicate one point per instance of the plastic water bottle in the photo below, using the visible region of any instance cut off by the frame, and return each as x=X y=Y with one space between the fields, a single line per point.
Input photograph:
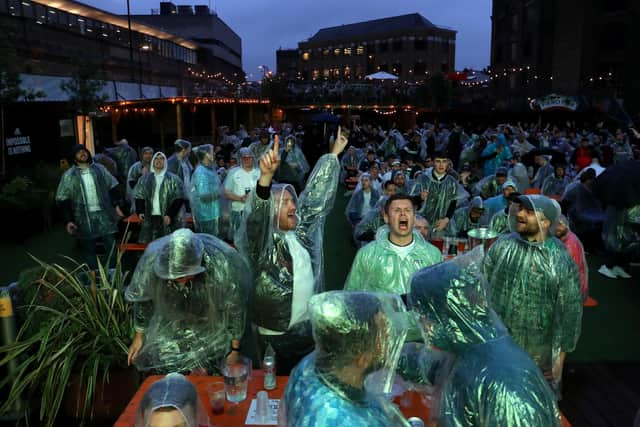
x=269 y=366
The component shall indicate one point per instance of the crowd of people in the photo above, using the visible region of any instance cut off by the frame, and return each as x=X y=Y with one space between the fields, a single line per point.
x=483 y=332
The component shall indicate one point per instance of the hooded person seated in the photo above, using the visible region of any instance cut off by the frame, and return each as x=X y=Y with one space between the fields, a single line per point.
x=422 y=226
x=293 y=164
x=349 y=163
x=189 y=294
x=171 y=402
x=438 y=193
x=363 y=199
x=179 y=163
x=385 y=264
x=358 y=338
x=205 y=192
x=159 y=200
x=467 y=218
x=491 y=185
x=535 y=286
x=139 y=168
x=281 y=236
x=500 y=220
x=492 y=381
x=499 y=203
x=575 y=249
x=554 y=185
x=544 y=171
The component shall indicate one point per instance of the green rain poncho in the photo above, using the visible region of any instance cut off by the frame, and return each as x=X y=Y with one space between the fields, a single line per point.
x=348 y=326
x=269 y=249
x=621 y=230
x=491 y=381
x=535 y=289
x=293 y=164
x=441 y=195
x=124 y=156
x=378 y=267
x=500 y=222
x=92 y=222
x=170 y=200
x=188 y=325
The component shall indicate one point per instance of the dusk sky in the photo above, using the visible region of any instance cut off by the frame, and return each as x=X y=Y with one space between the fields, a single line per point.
x=266 y=25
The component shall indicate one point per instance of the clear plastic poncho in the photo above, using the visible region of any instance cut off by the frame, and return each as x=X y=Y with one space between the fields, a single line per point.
x=346 y=381
x=461 y=223
x=268 y=250
x=576 y=250
x=135 y=172
x=188 y=325
x=377 y=267
x=71 y=189
x=441 y=195
x=535 y=289
x=520 y=176
x=621 y=230
x=182 y=168
x=500 y=222
x=492 y=381
x=356 y=207
x=555 y=186
x=170 y=194
x=365 y=230
x=293 y=166
x=178 y=401
x=125 y=156
x=204 y=194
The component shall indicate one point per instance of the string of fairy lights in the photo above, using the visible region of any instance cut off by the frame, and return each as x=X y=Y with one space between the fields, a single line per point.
x=494 y=75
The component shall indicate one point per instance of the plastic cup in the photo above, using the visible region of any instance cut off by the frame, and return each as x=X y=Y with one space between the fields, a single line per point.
x=462 y=244
x=236 y=377
x=216 y=392
x=262 y=407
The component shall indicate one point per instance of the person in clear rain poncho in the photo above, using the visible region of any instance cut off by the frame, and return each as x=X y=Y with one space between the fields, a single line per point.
x=293 y=164
x=363 y=199
x=500 y=220
x=171 y=402
x=281 y=236
x=491 y=381
x=554 y=185
x=467 y=218
x=88 y=197
x=491 y=185
x=439 y=194
x=344 y=382
x=385 y=264
x=499 y=203
x=535 y=286
x=204 y=194
x=179 y=164
x=139 y=168
x=159 y=200
x=124 y=155
x=575 y=249
x=544 y=171
x=189 y=294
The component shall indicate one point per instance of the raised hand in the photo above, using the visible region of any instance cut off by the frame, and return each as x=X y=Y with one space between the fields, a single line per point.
x=269 y=163
x=340 y=143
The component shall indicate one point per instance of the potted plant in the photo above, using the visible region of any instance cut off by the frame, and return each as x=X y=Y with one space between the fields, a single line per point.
x=72 y=343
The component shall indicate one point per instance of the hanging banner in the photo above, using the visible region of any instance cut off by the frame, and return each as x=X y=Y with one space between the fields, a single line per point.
x=554 y=102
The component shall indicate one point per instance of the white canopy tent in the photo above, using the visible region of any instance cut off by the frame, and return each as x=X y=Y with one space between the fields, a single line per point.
x=381 y=75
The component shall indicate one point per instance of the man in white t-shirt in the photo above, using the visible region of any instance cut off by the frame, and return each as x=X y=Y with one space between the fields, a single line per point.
x=281 y=236
x=240 y=181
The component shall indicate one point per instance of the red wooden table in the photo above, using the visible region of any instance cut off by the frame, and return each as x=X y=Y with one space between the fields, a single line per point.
x=410 y=404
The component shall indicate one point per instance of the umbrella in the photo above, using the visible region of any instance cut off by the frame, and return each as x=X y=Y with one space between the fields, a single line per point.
x=325 y=117
x=381 y=75
x=556 y=156
x=619 y=185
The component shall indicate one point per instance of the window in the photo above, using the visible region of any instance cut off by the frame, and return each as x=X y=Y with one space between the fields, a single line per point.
x=305 y=56
x=336 y=52
x=360 y=50
x=316 y=74
x=325 y=52
x=348 y=51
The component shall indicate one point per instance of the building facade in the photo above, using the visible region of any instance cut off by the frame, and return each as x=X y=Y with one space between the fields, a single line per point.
x=220 y=47
x=569 y=47
x=408 y=46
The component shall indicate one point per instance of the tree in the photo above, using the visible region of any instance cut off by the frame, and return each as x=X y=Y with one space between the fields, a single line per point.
x=85 y=93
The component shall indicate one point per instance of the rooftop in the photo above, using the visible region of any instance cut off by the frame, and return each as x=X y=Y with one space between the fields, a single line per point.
x=376 y=26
